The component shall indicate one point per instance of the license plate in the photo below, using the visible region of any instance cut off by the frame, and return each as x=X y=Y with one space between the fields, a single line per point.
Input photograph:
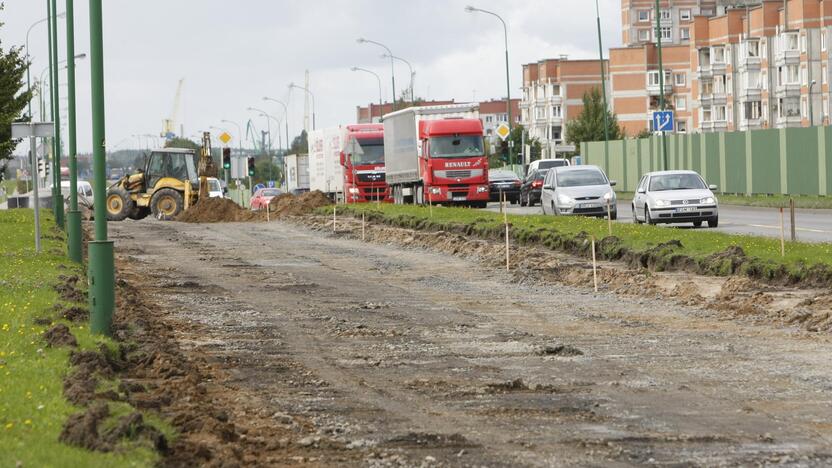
x=687 y=209
x=587 y=205
x=459 y=198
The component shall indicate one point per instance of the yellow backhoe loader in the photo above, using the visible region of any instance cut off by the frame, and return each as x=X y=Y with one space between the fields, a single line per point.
x=171 y=182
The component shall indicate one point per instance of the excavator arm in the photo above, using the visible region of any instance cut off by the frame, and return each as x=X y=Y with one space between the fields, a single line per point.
x=206 y=167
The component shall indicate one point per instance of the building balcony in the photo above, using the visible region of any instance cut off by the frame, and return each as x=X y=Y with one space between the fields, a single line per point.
x=653 y=90
x=752 y=124
x=787 y=90
x=713 y=98
x=704 y=73
x=750 y=94
x=541 y=101
x=557 y=99
x=789 y=121
x=524 y=104
x=714 y=125
x=749 y=63
x=719 y=68
x=787 y=57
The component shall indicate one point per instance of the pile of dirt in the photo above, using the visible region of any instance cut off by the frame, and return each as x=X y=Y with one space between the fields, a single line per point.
x=289 y=205
x=217 y=210
x=68 y=290
x=59 y=335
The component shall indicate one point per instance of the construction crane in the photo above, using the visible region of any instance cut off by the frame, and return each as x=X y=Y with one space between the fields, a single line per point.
x=169 y=124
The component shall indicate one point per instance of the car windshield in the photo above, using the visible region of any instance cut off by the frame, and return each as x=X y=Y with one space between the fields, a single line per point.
x=551 y=163
x=214 y=186
x=581 y=177
x=688 y=181
x=367 y=151
x=270 y=193
x=456 y=146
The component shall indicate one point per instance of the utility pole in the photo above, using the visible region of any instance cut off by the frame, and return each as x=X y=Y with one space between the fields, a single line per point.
x=603 y=89
x=661 y=79
x=52 y=65
x=101 y=261
x=73 y=220
x=57 y=198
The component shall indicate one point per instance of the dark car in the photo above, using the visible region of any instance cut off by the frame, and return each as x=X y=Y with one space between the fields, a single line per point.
x=505 y=182
x=531 y=187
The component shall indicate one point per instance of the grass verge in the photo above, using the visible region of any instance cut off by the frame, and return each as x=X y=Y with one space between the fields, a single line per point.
x=653 y=247
x=32 y=406
x=762 y=201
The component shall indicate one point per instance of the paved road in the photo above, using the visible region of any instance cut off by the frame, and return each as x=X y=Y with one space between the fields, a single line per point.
x=812 y=225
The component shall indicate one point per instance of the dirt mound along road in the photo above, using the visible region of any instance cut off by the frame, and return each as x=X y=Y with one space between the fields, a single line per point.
x=217 y=210
x=290 y=205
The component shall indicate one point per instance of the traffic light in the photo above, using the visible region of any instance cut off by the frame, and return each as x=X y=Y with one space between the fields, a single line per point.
x=251 y=167
x=43 y=168
x=226 y=158
x=504 y=151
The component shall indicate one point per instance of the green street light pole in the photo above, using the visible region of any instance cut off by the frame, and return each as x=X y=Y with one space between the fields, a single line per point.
x=603 y=89
x=73 y=216
x=57 y=197
x=661 y=78
x=52 y=66
x=101 y=262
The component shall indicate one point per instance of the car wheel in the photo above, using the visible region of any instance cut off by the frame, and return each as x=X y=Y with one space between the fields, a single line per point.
x=713 y=222
x=522 y=202
x=420 y=195
x=635 y=216
x=697 y=224
x=647 y=218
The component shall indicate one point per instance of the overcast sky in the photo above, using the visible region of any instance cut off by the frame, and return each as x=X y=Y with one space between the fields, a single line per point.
x=231 y=54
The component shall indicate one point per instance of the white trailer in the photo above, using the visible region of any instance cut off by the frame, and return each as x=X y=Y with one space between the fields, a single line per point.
x=402 y=141
x=296 y=171
x=325 y=170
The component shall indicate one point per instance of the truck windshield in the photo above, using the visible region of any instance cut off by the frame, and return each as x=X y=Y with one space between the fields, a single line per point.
x=456 y=146
x=367 y=151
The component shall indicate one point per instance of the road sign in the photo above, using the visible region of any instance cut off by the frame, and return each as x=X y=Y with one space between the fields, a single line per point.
x=503 y=131
x=565 y=148
x=225 y=138
x=663 y=121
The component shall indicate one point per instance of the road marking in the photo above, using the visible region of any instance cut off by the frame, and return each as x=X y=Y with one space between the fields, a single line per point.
x=764 y=226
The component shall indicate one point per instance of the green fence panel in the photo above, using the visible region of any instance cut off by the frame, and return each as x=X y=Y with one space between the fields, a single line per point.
x=735 y=173
x=825 y=165
x=710 y=168
x=765 y=151
x=695 y=152
x=802 y=161
x=631 y=156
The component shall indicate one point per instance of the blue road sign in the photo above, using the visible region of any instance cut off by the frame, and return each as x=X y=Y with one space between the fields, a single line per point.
x=663 y=121
x=271 y=184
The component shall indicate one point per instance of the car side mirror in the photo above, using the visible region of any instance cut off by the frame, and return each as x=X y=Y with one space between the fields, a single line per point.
x=712 y=187
x=613 y=183
x=641 y=190
x=549 y=187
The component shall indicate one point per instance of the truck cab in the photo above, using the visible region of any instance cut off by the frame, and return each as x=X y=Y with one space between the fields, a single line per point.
x=453 y=162
x=362 y=160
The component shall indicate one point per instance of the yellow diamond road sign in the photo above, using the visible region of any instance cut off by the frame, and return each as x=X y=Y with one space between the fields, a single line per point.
x=503 y=131
x=225 y=138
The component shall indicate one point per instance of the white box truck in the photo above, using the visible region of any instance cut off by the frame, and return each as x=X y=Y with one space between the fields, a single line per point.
x=296 y=172
x=325 y=170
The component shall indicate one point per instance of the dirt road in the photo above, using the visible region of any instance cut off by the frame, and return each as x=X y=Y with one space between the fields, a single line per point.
x=379 y=355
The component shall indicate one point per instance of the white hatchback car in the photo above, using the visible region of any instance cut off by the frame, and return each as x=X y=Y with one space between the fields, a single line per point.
x=578 y=190
x=675 y=197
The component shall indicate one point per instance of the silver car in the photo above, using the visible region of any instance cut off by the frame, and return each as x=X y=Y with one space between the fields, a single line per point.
x=675 y=197
x=578 y=190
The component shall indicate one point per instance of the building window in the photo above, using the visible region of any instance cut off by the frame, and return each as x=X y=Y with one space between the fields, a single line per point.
x=823 y=40
x=752 y=49
x=804 y=75
x=653 y=78
x=789 y=107
x=643 y=16
x=706 y=114
x=789 y=41
x=684 y=15
x=803 y=43
x=665 y=14
x=803 y=107
x=643 y=35
x=681 y=103
x=789 y=75
x=489 y=118
x=752 y=79
x=718 y=55
x=681 y=126
x=753 y=110
x=680 y=79
x=719 y=84
x=825 y=108
x=556 y=112
x=706 y=12
x=823 y=71
x=720 y=114
x=684 y=34
x=667 y=33
x=555 y=90
x=707 y=88
x=540 y=113
x=503 y=117
x=555 y=133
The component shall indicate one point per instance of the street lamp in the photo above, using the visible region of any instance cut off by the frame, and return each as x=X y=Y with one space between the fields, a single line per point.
x=811 y=106
x=362 y=40
x=285 y=118
x=42 y=81
x=380 y=102
x=412 y=73
x=471 y=9
x=292 y=85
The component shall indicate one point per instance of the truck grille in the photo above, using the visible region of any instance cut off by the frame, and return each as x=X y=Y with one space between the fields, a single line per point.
x=458 y=174
x=370 y=177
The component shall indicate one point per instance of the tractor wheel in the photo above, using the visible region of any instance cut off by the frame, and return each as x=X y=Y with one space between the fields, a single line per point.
x=139 y=212
x=119 y=204
x=166 y=204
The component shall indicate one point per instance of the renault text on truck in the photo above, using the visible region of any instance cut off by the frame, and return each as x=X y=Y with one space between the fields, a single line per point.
x=435 y=154
x=347 y=163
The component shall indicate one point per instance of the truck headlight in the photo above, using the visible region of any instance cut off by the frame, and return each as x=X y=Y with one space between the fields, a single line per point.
x=707 y=201
x=482 y=189
x=565 y=199
x=435 y=191
x=662 y=202
x=354 y=190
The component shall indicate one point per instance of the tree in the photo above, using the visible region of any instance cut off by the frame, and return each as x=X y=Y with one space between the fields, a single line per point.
x=265 y=170
x=589 y=126
x=644 y=133
x=13 y=98
x=515 y=141
x=300 y=145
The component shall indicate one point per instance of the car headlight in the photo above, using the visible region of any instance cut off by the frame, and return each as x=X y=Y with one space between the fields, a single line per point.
x=609 y=196
x=482 y=189
x=565 y=199
x=662 y=202
x=435 y=191
x=707 y=201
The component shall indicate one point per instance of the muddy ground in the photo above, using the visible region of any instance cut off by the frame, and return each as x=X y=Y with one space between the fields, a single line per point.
x=308 y=347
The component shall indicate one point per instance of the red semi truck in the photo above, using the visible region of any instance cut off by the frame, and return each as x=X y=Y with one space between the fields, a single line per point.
x=347 y=163
x=435 y=154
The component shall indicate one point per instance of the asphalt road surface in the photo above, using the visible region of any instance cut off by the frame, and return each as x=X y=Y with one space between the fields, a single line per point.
x=812 y=225
x=443 y=361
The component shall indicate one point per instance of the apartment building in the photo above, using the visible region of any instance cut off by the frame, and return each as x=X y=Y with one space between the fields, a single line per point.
x=553 y=93
x=638 y=19
x=763 y=64
x=372 y=113
x=494 y=112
